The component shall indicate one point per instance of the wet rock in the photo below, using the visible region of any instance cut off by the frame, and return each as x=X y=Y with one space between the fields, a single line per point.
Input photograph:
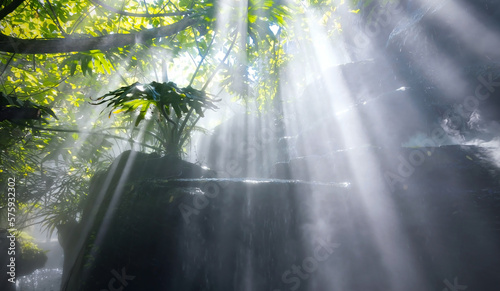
x=387 y=120
x=232 y=234
x=447 y=51
x=168 y=237
x=106 y=189
x=413 y=169
x=263 y=234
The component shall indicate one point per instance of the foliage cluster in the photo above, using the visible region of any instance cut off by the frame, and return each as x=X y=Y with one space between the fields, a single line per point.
x=170 y=103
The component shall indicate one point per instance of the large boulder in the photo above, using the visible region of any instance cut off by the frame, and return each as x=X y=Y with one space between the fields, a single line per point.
x=449 y=50
x=109 y=191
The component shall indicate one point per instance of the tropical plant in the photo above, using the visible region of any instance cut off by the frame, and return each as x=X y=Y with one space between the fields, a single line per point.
x=177 y=109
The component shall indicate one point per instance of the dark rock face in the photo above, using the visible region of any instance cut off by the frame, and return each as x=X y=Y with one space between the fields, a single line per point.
x=163 y=239
x=463 y=31
x=263 y=235
x=216 y=234
x=449 y=48
x=134 y=166
x=446 y=167
x=106 y=192
x=443 y=53
x=389 y=120
x=130 y=167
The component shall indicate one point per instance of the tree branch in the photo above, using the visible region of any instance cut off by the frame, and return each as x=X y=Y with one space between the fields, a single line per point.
x=221 y=62
x=55 y=19
x=125 y=13
x=9 y=8
x=7 y=64
x=202 y=57
x=103 y=43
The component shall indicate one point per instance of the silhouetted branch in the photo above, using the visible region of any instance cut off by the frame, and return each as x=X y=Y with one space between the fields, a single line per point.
x=14 y=113
x=9 y=8
x=125 y=13
x=66 y=45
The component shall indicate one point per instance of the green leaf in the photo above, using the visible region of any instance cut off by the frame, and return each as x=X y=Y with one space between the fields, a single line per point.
x=142 y=114
x=185 y=3
x=252 y=18
x=84 y=66
x=52 y=27
x=73 y=68
x=177 y=110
